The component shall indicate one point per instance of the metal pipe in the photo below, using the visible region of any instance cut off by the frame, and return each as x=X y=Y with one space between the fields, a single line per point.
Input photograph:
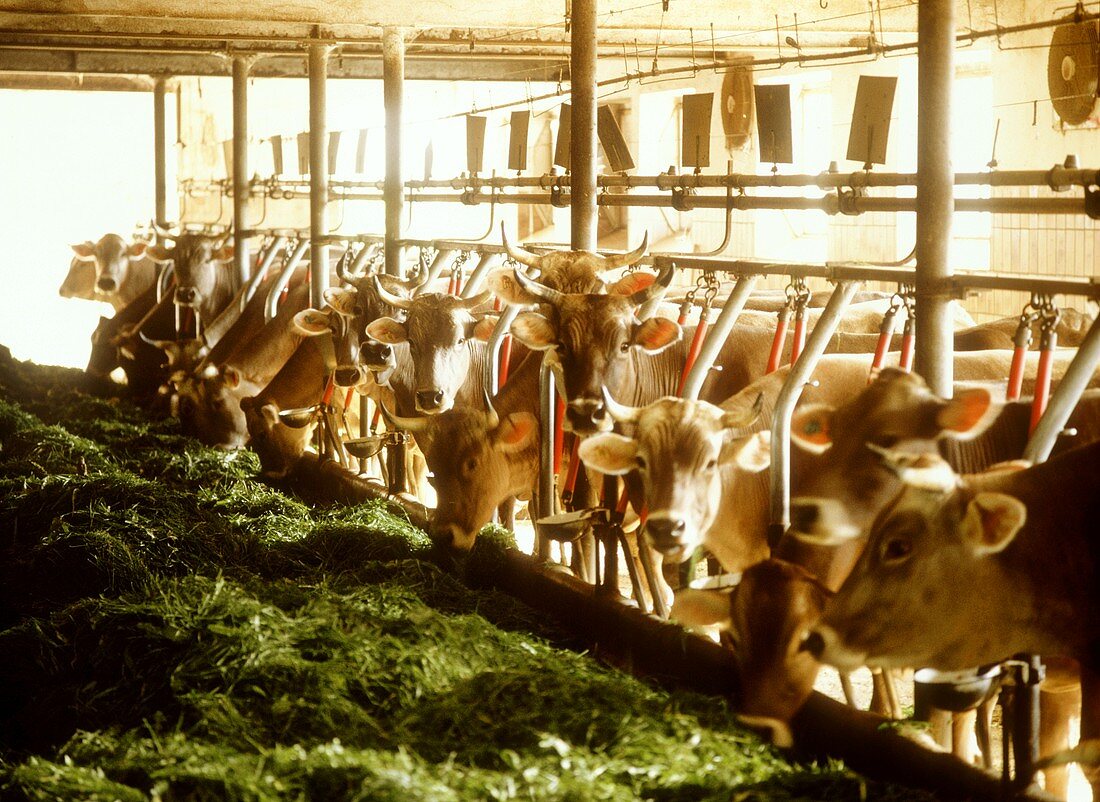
x=1065 y=396
x=935 y=193
x=788 y=397
x=241 y=189
x=718 y=335
x=492 y=348
x=547 y=479
x=393 y=80
x=261 y=270
x=160 y=150
x=582 y=127
x=318 y=173
x=272 y=305
x=442 y=258
x=477 y=277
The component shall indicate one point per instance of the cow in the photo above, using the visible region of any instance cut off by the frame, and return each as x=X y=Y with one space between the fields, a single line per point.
x=79 y=282
x=964 y=571
x=122 y=271
x=203 y=282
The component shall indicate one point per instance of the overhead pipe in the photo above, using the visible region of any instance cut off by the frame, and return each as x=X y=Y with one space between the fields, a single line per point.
x=393 y=88
x=241 y=186
x=935 y=193
x=799 y=375
x=718 y=335
x=318 y=173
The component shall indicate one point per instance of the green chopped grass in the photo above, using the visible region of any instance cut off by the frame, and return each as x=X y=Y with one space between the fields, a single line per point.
x=173 y=629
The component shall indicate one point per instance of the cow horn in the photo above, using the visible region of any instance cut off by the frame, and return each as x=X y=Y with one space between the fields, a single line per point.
x=161 y=344
x=619 y=412
x=477 y=300
x=925 y=471
x=388 y=297
x=540 y=291
x=494 y=416
x=656 y=289
x=520 y=255
x=163 y=232
x=740 y=420
x=625 y=259
x=414 y=425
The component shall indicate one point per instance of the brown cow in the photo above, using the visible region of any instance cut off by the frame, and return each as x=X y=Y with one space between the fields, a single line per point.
x=121 y=271
x=203 y=282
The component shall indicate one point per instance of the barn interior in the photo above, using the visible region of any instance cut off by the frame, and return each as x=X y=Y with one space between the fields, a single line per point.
x=940 y=153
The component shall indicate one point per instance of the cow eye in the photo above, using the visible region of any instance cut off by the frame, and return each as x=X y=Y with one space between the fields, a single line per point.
x=897 y=549
x=712 y=465
x=640 y=461
x=624 y=347
x=470 y=465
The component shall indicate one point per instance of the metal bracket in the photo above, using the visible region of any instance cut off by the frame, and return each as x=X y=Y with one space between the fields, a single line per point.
x=557 y=196
x=846 y=200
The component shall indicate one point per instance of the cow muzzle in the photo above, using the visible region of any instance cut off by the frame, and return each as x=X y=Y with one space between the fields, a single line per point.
x=106 y=284
x=587 y=416
x=186 y=296
x=375 y=355
x=667 y=536
x=348 y=377
x=430 y=402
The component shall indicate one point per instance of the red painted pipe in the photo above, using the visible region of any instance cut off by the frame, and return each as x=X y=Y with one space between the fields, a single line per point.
x=348 y=397
x=376 y=418
x=574 y=468
x=330 y=388
x=1042 y=377
x=559 y=436
x=885 y=335
x=799 y=339
x=779 y=339
x=905 y=362
x=693 y=351
x=505 y=359
x=1022 y=341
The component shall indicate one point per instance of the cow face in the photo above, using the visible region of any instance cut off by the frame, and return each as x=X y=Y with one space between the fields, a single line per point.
x=680 y=450
x=477 y=460
x=201 y=280
x=838 y=481
x=441 y=332
x=914 y=596
x=767 y=618
x=277 y=445
x=210 y=408
x=112 y=256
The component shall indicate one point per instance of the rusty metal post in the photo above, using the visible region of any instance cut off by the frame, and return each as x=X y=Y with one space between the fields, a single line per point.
x=582 y=133
x=318 y=173
x=160 y=152
x=241 y=191
x=935 y=192
x=393 y=88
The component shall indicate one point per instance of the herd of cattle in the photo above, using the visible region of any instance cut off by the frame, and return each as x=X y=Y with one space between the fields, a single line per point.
x=918 y=538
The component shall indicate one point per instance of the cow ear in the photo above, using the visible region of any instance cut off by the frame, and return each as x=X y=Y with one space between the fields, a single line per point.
x=484 y=328
x=701 y=608
x=968 y=414
x=158 y=253
x=387 y=330
x=991 y=521
x=311 y=322
x=223 y=254
x=502 y=282
x=341 y=299
x=232 y=378
x=632 y=283
x=270 y=415
x=137 y=249
x=656 y=334
x=85 y=251
x=751 y=454
x=811 y=427
x=516 y=431
x=609 y=453
x=534 y=331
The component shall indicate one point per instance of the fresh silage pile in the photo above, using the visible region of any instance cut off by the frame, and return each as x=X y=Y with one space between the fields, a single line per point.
x=172 y=629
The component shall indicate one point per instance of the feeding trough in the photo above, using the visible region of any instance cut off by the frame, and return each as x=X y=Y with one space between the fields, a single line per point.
x=365 y=447
x=567 y=527
x=299 y=417
x=955 y=691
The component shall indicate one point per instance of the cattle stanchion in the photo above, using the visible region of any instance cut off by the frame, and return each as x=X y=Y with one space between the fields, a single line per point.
x=547 y=477
x=711 y=292
x=1021 y=342
x=454 y=285
x=477 y=276
x=1048 y=342
x=264 y=259
x=780 y=338
x=716 y=338
x=885 y=337
x=293 y=254
x=799 y=303
x=908 y=331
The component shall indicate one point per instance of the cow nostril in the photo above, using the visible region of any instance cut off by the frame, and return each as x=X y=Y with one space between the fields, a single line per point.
x=438 y=397
x=804 y=516
x=814 y=644
x=599 y=413
x=386 y=351
x=106 y=284
x=347 y=377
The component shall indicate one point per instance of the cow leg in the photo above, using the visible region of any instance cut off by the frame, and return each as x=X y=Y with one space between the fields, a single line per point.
x=652 y=566
x=506 y=513
x=1056 y=708
x=983 y=730
x=962 y=730
x=1090 y=722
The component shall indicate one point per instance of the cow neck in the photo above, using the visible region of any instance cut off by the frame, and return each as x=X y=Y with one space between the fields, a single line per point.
x=270 y=345
x=738 y=537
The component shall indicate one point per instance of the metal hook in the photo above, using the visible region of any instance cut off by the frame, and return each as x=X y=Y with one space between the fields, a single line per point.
x=823 y=4
x=729 y=215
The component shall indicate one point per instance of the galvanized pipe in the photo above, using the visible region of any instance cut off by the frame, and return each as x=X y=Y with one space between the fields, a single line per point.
x=799 y=374
x=1065 y=396
x=547 y=479
x=935 y=193
x=582 y=131
x=477 y=277
x=241 y=188
x=318 y=173
x=160 y=150
x=261 y=269
x=272 y=305
x=717 y=336
x=492 y=348
x=442 y=258
x=393 y=80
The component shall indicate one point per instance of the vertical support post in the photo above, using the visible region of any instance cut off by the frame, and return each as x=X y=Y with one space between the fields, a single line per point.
x=160 y=151
x=318 y=173
x=582 y=132
x=241 y=190
x=393 y=192
x=935 y=192
x=547 y=480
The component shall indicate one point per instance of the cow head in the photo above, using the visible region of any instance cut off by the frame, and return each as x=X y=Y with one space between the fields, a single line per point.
x=441 y=332
x=112 y=256
x=923 y=582
x=767 y=618
x=679 y=449
x=201 y=281
x=838 y=481
x=358 y=304
x=565 y=271
x=595 y=339
x=277 y=445
x=477 y=460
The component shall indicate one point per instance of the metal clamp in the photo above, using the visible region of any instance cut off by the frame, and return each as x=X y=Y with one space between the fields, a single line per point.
x=556 y=195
